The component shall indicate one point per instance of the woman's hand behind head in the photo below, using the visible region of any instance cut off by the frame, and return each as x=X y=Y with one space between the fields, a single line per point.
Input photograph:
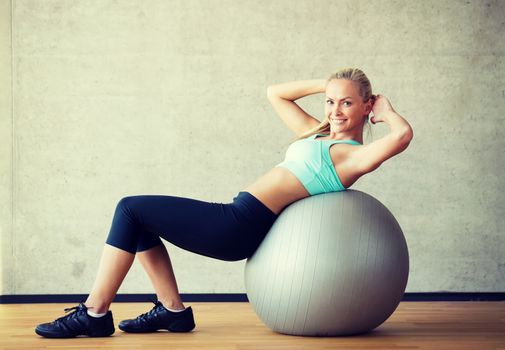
x=381 y=108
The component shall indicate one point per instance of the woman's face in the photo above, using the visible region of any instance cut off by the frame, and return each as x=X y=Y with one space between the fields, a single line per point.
x=344 y=107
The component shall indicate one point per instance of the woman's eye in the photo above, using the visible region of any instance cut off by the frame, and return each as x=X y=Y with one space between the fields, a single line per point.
x=331 y=102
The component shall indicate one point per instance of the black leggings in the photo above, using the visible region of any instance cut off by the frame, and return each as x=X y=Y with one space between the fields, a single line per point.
x=229 y=232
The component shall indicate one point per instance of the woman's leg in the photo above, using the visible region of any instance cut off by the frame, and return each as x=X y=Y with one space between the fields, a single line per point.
x=129 y=237
x=229 y=232
x=114 y=266
x=209 y=229
x=156 y=262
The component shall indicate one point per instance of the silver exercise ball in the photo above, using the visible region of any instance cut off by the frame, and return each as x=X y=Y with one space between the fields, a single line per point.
x=332 y=264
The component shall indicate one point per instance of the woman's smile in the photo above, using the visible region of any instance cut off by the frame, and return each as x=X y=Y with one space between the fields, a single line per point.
x=338 y=120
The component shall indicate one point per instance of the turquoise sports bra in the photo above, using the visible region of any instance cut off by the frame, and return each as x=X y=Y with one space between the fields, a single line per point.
x=309 y=160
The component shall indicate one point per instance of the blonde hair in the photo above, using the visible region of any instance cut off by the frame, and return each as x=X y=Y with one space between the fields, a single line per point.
x=365 y=91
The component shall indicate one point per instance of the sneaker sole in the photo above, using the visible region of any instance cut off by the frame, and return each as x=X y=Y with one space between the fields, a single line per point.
x=176 y=327
x=55 y=335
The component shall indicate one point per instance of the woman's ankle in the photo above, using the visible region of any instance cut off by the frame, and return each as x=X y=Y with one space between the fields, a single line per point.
x=173 y=305
x=96 y=309
x=96 y=306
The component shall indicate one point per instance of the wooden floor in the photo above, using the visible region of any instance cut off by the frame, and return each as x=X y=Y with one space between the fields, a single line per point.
x=414 y=325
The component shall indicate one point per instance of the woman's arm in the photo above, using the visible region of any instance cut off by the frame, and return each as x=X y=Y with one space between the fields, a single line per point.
x=282 y=97
x=296 y=89
x=367 y=158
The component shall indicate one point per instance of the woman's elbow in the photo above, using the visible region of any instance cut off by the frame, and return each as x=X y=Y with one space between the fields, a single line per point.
x=407 y=135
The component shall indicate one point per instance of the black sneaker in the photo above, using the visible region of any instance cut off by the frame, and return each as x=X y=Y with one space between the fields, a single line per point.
x=77 y=323
x=160 y=318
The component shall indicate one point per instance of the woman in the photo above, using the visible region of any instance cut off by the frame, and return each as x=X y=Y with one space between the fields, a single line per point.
x=327 y=156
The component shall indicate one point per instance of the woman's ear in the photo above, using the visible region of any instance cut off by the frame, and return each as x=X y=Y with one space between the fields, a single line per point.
x=368 y=106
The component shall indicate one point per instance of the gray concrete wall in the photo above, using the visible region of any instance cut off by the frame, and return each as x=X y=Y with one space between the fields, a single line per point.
x=6 y=142
x=117 y=98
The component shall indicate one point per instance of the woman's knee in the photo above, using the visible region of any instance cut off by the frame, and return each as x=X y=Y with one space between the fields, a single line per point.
x=127 y=211
x=126 y=202
x=128 y=205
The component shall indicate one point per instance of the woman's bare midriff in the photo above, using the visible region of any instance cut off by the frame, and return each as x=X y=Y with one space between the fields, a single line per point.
x=279 y=187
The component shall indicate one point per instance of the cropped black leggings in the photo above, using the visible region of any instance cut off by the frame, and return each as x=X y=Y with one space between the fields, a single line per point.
x=224 y=231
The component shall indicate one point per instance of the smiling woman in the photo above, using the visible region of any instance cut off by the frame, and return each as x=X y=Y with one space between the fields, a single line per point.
x=339 y=158
x=348 y=94
x=313 y=165
x=347 y=114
